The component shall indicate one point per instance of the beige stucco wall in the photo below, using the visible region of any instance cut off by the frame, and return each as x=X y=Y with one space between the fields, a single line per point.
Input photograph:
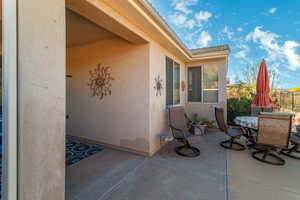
x=140 y=133
x=205 y=110
x=158 y=112
x=41 y=99
x=121 y=119
x=133 y=117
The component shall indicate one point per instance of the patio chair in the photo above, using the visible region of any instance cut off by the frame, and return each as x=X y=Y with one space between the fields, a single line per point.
x=273 y=134
x=179 y=128
x=294 y=151
x=234 y=132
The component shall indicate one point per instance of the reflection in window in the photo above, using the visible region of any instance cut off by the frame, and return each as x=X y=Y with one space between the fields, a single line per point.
x=194 y=85
x=172 y=82
x=203 y=84
x=210 y=84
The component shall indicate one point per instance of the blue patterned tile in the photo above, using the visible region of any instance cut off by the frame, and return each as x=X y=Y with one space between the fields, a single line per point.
x=77 y=150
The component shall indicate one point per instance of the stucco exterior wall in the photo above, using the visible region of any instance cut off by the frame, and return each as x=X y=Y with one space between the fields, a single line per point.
x=142 y=133
x=205 y=110
x=158 y=112
x=121 y=119
x=41 y=99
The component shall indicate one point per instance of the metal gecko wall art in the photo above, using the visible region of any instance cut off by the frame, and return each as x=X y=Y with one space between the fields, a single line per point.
x=158 y=85
x=100 y=81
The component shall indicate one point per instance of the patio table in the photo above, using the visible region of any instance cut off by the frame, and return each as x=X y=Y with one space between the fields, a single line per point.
x=251 y=122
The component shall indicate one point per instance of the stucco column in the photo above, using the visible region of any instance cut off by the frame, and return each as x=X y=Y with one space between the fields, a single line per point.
x=41 y=99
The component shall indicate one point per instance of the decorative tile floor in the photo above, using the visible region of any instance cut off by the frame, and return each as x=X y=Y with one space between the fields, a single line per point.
x=77 y=150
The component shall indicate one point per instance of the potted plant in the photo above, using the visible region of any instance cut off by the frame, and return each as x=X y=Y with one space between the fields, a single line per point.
x=202 y=125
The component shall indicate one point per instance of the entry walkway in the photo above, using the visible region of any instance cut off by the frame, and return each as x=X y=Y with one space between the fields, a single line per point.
x=216 y=175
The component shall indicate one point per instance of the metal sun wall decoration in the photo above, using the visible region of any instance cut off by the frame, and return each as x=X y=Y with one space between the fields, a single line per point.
x=100 y=81
x=158 y=85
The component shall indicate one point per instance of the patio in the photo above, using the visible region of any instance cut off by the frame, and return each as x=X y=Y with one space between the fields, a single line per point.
x=216 y=174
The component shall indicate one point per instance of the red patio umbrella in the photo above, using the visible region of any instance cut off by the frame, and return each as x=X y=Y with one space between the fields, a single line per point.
x=262 y=98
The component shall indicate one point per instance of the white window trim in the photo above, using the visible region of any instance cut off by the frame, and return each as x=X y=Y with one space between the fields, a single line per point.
x=202 y=89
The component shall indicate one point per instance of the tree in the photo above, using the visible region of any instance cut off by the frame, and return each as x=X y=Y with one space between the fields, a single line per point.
x=249 y=76
x=240 y=95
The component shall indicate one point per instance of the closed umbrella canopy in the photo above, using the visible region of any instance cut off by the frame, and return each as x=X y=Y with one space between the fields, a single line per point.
x=262 y=98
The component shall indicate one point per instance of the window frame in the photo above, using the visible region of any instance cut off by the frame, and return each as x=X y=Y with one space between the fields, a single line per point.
x=10 y=176
x=202 y=66
x=174 y=65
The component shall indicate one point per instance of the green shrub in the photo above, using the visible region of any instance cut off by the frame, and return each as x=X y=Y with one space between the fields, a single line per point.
x=238 y=107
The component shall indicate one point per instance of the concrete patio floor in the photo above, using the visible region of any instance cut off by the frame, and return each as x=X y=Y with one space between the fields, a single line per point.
x=217 y=174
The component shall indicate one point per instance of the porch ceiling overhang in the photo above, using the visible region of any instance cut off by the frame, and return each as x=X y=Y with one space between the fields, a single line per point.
x=100 y=14
x=136 y=21
x=81 y=31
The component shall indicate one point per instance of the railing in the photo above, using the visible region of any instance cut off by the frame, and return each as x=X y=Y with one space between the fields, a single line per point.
x=290 y=101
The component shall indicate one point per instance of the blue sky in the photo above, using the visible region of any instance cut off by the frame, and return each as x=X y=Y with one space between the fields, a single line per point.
x=253 y=29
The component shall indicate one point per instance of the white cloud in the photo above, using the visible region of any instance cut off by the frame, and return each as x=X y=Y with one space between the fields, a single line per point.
x=243 y=52
x=183 y=5
x=190 y=24
x=240 y=29
x=240 y=54
x=272 y=10
x=228 y=33
x=204 y=39
x=284 y=54
x=190 y=38
x=182 y=20
x=289 y=49
x=266 y=39
x=218 y=16
x=203 y=16
x=177 y=19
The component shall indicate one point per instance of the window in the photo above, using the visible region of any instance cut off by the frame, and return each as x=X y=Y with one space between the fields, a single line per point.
x=195 y=84
x=210 y=84
x=172 y=82
x=203 y=84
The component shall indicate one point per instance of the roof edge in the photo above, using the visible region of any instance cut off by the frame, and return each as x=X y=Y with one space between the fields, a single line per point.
x=194 y=54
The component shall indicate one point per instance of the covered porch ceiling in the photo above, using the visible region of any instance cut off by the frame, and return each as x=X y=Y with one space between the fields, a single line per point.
x=81 y=31
x=92 y=12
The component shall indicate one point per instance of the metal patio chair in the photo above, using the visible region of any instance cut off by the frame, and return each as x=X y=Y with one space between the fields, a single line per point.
x=294 y=150
x=180 y=131
x=233 y=132
x=273 y=134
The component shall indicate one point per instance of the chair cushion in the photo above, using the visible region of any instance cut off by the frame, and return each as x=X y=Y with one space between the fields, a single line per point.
x=235 y=132
x=295 y=139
